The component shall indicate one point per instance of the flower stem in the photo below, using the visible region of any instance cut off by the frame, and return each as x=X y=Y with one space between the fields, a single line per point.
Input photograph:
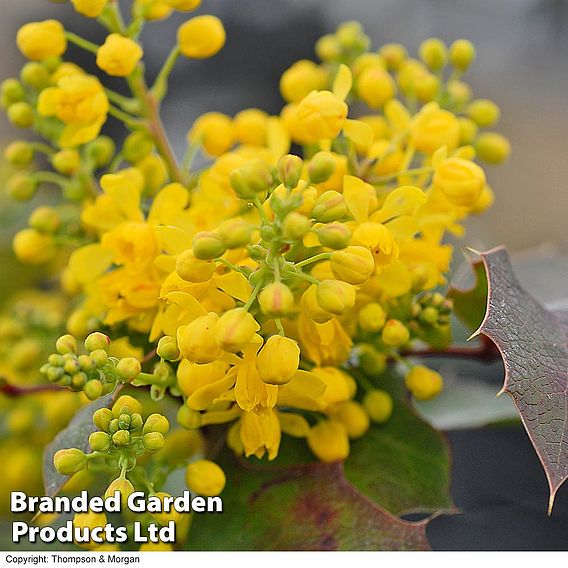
x=81 y=42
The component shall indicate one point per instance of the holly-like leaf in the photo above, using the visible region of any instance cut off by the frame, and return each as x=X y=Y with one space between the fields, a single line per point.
x=469 y=305
x=310 y=507
x=75 y=435
x=534 y=345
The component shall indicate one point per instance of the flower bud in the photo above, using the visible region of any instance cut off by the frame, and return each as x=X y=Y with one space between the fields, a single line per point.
x=205 y=478
x=19 y=153
x=321 y=167
x=153 y=442
x=192 y=269
x=66 y=344
x=123 y=486
x=201 y=37
x=93 y=389
x=378 y=404
x=252 y=178
x=372 y=317
x=99 y=357
x=102 y=418
x=375 y=86
x=353 y=265
x=353 y=417
x=336 y=296
x=136 y=421
x=11 y=91
x=328 y=48
x=44 y=219
x=121 y=438
x=66 y=161
x=156 y=423
x=483 y=112
x=276 y=300
x=137 y=145
x=295 y=225
x=371 y=361
x=461 y=181
x=126 y=404
x=197 y=340
x=89 y=8
x=395 y=333
x=21 y=115
x=290 y=169
x=434 y=53
x=235 y=329
x=97 y=340
x=423 y=383
x=188 y=418
x=99 y=441
x=329 y=441
x=468 y=130
x=329 y=206
x=433 y=128
x=278 y=360
x=69 y=461
x=312 y=307
x=168 y=348
x=101 y=150
x=322 y=115
x=21 y=186
x=118 y=55
x=462 y=54
x=207 y=245
x=485 y=200
x=235 y=233
x=33 y=247
x=492 y=147
x=41 y=40
x=334 y=235
x=128 y=369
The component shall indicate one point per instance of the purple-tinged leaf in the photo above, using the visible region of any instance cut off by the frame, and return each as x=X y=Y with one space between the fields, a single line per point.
x=533 y=343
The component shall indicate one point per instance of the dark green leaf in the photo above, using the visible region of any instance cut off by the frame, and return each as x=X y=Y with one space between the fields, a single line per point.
x=469 y=305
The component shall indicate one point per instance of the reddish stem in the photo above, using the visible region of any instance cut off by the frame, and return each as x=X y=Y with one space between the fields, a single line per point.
x=486 y=352
x=14 y=390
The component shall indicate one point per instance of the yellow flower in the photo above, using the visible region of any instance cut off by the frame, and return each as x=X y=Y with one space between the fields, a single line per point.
x=80 y=102
x=339 y=385
x=33 y=247
x=184 y=5
x=119 y=55
x=250 y=127
x=322 y=115
x=461 y=181
x=423 y=383
x=197 y=340
x=205 y=477
x=278 y=360
x=301 y=79
x=201 y=37
x=353 y=416
x=41 y=40
x=353 y=265
x=235 y=329
x=375 y=87
x=379 y=240
x=89 y=8
x=214 y=131
x=260 y=433
x=433 y=128
x=328 y=440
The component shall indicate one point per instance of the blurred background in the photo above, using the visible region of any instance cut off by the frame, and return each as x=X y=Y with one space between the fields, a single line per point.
x=522 y=65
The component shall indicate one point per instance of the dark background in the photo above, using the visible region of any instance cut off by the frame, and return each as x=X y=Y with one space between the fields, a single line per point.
x=522 y=64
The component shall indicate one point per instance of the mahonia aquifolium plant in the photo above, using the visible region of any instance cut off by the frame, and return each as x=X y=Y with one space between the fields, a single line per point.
x=269 y=290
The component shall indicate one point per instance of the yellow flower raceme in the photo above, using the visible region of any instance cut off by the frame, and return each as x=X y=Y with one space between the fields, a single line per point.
x=119 y=55
x=80 y=102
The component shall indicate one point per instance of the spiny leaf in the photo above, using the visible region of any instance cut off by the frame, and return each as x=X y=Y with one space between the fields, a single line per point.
x=75 y=435
x=534 y=345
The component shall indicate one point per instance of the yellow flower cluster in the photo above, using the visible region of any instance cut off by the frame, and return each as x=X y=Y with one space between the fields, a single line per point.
x=273 y=287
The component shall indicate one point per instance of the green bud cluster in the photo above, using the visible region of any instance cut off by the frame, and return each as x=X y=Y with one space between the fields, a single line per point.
x=431 y=310
x=93 y=372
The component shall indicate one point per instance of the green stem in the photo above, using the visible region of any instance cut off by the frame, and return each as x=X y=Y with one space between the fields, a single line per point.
x=304 y=276
x=232 y=266
x=82 y=43
x=279 y=326
x=189 y=157
x=118 y=99
x=252 y=297
x=160 y=87
x=50 y=177
x=316 y=258
x=129 y=120
x=412 y=172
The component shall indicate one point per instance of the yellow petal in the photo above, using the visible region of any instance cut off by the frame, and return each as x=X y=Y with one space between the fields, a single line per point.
x=172 y=239
x=204 y=396
x=234 y=284
x=47 y=101
x=395 y=280
x=304 y=391
x=171 y=199
x=278 y=139
x=439 y=156
x=77 y=134
x=403 y=227
x=357 y=197
x=186 y=302
x=293 y=424
x=359 y=132
x=342 y=83
x=401 y=201
x=89 y=262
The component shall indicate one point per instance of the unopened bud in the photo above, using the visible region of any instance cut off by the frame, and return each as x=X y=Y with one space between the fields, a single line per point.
x=66 y=344
x=45 y=219
x=334 y=235
x=102 y=418
x=35 y=75
x=290 y=169
x=66 y=161
x=336 y=296
x=235 y=329
x=207 y=245
x=156 y=423
x=19 y=153
x=276 y=300
x=128 y=369
x=168 y=348
x=21 y=186
x=434 y=53
x=97 y=340
x=137 y=145
x=69 y=461
x=93 y=389
x=329 y=206
x=101 y=150
x=121 y=438
x=250 y=179
x=153 y=442
x=295 y=225
x=395 y=333
x=378 y=404
x=278 y=360
x=372 y=317
x=462 y=54
x=99 y=441
x=354 y=264
x=322 y=166
x=192 y=269
x=188 y=418
x=235 y=233
x=21 y=115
